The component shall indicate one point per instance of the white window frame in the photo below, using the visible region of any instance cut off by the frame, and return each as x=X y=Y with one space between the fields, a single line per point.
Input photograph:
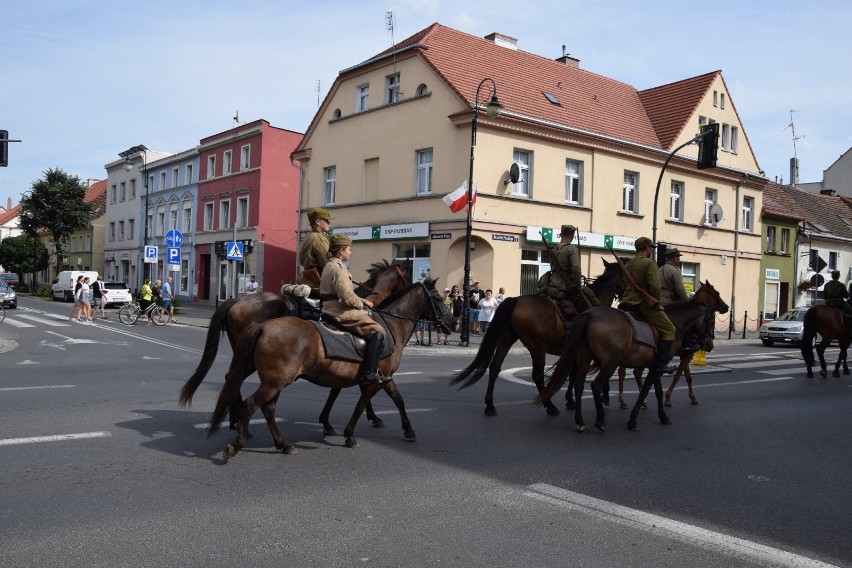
x=573 y=182
x=676 y=200
x=245 y=157
x=211 y=167
x=133 y=189
x=735 y=139
x=183 y=286
x=162 y=185
x=123 y=191
x=630 y=192
x=121 y=230
x=784 y=245
x=186 y=225
x=423 y=176
x=188 y=175
x=114 y=193
x=131 y=229
x=726 y=137
x=161 y=222
x=242 y=212
x=709 y=201
x=524 y=159
x=224 y=214
x=175 y=176
x=112 y=231
x=721 y=100
x=362 y=97
x=770 y=238
x=392 y=88
x=748 y=213
x=329 y=184
x=227 y=162
x=208 y=216
x=173 y=217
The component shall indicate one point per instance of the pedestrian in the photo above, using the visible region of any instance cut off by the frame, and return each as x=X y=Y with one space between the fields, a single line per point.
x=252 y=287
x=75 y=306
x=473 y=308
x=419 y=328
x=145 y=296
x=157 y=294
x=500 y=295
x=99 y=298
x=458 y=306
x=169 y=298
x=344 y=307
x=487 y=307
x=448 y=303
x=84 y=299
x=313 y=255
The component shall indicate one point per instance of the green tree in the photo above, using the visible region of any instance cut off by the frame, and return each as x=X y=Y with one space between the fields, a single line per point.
x=23 y=254
x=56 y=204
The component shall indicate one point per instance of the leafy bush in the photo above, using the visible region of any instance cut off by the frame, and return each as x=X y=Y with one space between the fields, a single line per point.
x=44 y=291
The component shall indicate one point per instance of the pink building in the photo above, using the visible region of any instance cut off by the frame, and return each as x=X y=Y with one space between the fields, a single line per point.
x=248 y=191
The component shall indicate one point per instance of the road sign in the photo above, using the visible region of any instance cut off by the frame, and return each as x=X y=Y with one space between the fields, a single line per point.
x=235 y=250
x=151 y=253
x=174 y=238
x=173 y=255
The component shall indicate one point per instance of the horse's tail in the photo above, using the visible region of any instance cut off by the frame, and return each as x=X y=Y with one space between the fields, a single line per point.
x=242 y=365
x=218 y=325
x=808 y=334
x=567 y=358
x=500 y=323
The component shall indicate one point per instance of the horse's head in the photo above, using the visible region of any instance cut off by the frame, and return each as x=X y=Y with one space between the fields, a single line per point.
x=386 y=278
x=609 y=285
x=435 y=309
x=709 y=295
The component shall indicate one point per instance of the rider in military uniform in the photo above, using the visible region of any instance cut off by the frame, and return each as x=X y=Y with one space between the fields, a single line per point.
x=346 y=309
x=314 y=252
x=671 y=279
x=565 y=280
x=835 y=294
x=644 y=271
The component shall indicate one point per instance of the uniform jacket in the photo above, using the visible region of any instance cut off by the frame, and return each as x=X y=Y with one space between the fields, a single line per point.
x=671 y=284
x=645 y=273
x=339 y=298
x=313 y=254
x=568 y=261
x=834 y=290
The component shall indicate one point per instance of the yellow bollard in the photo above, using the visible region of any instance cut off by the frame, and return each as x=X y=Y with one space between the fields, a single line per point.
x=700 y=357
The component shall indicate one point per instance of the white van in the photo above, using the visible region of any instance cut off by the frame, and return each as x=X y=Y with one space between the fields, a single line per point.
x=63 y=289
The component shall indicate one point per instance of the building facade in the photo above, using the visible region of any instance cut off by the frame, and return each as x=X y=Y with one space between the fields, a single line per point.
x=393 y=136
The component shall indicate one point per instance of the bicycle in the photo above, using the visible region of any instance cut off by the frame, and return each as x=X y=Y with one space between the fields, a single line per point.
x=129 y=313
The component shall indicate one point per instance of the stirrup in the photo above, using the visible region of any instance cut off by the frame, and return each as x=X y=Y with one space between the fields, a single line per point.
x=376 y=378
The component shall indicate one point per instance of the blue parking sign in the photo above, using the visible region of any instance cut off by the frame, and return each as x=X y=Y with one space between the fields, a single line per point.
x=173 y=255
x=151 y=253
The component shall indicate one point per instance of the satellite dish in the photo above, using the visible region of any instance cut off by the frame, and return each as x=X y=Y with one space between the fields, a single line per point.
x=716 y=213
x=514 y=173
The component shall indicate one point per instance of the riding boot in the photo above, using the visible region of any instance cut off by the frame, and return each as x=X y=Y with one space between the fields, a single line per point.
x=663 y=358
x=371 y=361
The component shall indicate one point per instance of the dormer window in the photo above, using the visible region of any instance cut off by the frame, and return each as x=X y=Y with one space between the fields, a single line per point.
x=392 y=89
x=422 y=90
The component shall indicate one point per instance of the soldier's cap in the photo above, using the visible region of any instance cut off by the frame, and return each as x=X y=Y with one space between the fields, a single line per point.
x=672 y=252
x=567 y=229
x=318 y=213
x=340 y=240
x=643 y=242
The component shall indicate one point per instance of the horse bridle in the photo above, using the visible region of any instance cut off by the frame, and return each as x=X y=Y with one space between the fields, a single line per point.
x=433 y=314
x=377 y=292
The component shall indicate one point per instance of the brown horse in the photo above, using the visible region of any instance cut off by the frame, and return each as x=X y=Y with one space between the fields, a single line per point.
x=286 y=349
x=605 y=335
x=233 y=316
x=703 y=337
x=828 y=322
x=536 y=321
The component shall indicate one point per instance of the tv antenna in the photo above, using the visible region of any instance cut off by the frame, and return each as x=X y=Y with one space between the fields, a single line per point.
x=792 y=128
x=319 y=84
x=237 y=119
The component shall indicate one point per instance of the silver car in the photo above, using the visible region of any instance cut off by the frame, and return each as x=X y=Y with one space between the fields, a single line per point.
x=788 y=328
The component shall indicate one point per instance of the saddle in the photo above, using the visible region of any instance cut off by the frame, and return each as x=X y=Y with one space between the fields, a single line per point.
x=565 y=308
x=343 y=345
x=643 y=332
x=299 y=304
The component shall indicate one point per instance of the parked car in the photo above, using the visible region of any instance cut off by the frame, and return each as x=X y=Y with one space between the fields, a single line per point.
x=10 y=277
x=7 y=295
x=787 y=329
x=118 y=293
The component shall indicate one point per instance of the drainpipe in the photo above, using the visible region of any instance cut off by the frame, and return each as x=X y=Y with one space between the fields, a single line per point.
x=299 y=214
x=736 y=254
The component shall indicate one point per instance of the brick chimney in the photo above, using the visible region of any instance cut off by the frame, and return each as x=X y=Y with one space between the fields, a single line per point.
x=503 y=40
x=567 y=59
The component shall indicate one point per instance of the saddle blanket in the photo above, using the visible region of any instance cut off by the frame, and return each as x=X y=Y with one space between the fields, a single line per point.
x=344 y=346
x=642 y=332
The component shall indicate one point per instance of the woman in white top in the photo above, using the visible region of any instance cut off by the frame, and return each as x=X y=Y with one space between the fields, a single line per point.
x=83 y=298
x=487 y=306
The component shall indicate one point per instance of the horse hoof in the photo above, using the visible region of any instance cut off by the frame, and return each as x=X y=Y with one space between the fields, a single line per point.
x=490 y=411
x=667 y=402
x=631 y=425
x=378 y=423
x=289 y=450
x=581 y=428
x=623 y=405
x=600 y=426
x=351 y=443
x=410 y=436
x=666 y=420
x=230 y=451
x=569 y=405
x=823 y=374
x=694 y=401
x=552 y=411
x=605 y=400
x=847 y=372
x=810 y=375
x=836 y=374
x=329 y=431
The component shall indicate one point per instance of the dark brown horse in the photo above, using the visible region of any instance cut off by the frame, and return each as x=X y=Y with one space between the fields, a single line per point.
x=536 y=321
x=828 y=322
x=605 y=335
x=233 y=316
x=704 y=337
x=286 y=349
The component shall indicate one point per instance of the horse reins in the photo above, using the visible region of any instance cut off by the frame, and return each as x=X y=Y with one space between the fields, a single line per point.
x=431 y=309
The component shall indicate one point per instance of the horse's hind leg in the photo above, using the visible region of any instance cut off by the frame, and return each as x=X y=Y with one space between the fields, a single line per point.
x=658 y=391
x=579 y=383
x=268 y=410
x=390 y=388
x=349 y=432
x=598 y=385
x=494 y=367
x=820 y=349
x=327 y=428
x=622 y=372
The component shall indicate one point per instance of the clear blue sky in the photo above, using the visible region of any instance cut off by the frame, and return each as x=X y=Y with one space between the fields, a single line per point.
x=81 y=80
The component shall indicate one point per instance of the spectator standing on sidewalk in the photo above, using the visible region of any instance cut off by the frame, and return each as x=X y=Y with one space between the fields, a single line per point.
x=487 y=307
x=252 y=287
x=458 y=306
x=473 y=307
x=99 y=298
x=168 y=299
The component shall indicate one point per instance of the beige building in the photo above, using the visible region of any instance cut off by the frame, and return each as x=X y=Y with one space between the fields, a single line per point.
x=393 y=136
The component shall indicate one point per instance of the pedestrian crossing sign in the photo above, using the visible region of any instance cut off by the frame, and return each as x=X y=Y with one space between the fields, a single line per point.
x=234 y=250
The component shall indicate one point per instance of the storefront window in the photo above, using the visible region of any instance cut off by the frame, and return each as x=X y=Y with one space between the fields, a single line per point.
x=534 y=264
x=419 y=255
x=691 y=279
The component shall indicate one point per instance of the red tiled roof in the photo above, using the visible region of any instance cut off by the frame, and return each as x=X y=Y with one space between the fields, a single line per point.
x=96 y=195
x=670 y=106
x=828 y=214
x=7 y=216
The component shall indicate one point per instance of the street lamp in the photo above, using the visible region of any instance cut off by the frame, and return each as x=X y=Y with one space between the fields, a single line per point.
x=493 y=110
x=142 y=151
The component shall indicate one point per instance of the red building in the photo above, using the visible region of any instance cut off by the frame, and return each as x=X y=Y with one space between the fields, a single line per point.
x=248 y=191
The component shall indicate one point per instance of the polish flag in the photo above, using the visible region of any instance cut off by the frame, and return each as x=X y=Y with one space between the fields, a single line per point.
x=457 y=200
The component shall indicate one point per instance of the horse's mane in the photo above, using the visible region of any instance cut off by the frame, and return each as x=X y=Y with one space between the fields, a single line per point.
x=428 y=282
x=611 y=272
x=376 y=269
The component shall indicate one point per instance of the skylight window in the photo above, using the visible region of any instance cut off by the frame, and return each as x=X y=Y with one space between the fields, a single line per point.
x=551 y=97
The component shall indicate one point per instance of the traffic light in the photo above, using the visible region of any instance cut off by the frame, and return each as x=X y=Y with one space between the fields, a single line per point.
x=4 y=148
x=708 y=146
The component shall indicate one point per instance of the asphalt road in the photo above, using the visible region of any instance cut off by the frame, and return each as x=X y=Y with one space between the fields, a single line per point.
x=101 y=468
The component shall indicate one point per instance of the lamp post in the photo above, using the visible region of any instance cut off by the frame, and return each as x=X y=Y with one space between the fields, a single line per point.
x=493 y=110
x=142 y=151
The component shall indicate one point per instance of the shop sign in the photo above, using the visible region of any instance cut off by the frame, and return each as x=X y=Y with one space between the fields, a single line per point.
x=773 y=274
x=590 y=240
x=386 y=232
